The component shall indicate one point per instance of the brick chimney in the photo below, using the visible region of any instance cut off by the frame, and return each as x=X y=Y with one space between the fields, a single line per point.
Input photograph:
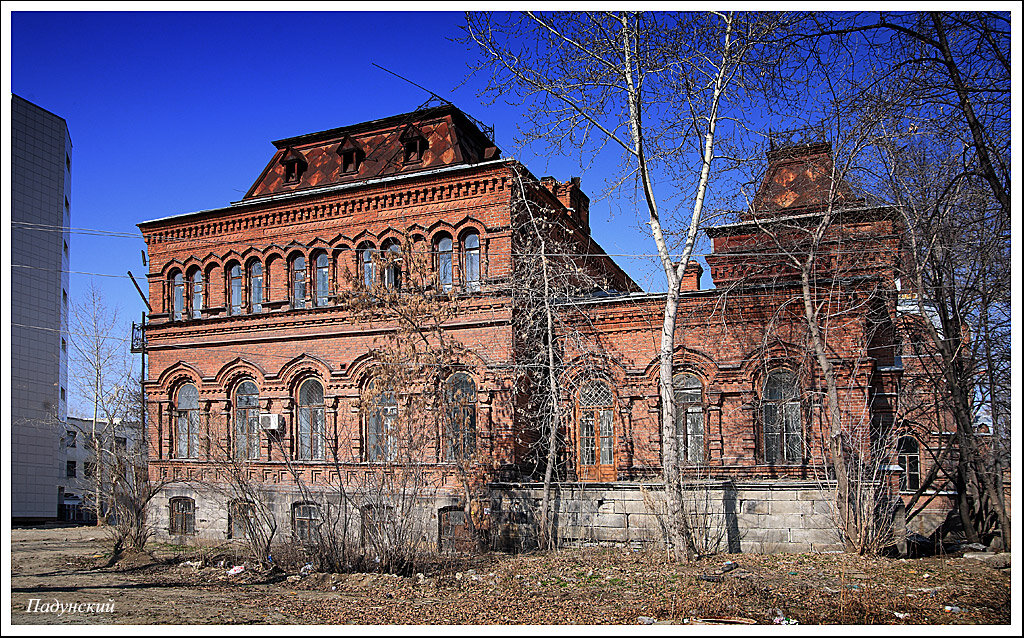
x=571 y=196
x=691 y=277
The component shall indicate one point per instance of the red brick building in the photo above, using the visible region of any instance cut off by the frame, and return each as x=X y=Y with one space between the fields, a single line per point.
x=256 y=352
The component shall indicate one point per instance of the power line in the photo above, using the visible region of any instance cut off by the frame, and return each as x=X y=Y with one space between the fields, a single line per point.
x=429 y=251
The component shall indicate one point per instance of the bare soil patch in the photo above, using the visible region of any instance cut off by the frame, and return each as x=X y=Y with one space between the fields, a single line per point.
x=574 y=586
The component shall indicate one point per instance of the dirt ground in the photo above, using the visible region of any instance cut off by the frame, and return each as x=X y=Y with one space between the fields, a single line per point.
x=576 y=586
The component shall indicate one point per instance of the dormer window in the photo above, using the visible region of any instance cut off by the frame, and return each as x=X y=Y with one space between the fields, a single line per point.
x=351 y=160
x=415 y=144
x=294 y=164
x=414 y=150
x=351 y=156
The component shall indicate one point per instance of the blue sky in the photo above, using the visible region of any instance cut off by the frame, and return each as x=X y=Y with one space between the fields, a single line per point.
x=174 y=112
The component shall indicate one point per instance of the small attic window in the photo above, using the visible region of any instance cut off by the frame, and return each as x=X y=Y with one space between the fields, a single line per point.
x=351 y=160
x=352 y=156
x=294 y=166
x=414 y=150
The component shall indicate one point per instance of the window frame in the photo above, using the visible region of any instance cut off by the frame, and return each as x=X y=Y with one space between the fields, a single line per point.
x=321 y=263
x=414 y=149
x=689 y=410
x=191 y=418
x=236 y=511
x=298 y=279
x=461 y=418
x=380 y=423
x=311 y=445
x=255 y=273
x=251 y=433
x=197 y=289
x=596 y=443
x=788 y=413
x=441 y=257
x=910 y=461
x=182 y=520
x=367 y=269
x=236 y=288
x=311 y=519
x=471 y=255
x=177 y=296
x=391 y=252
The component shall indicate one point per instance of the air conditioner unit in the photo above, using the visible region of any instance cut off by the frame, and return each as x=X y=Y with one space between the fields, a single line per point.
x=272 y=422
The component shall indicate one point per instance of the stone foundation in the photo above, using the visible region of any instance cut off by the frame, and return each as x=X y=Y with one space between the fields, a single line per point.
x=749 y=517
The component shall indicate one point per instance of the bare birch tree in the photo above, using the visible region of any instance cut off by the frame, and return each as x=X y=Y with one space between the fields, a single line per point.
x=655 y=88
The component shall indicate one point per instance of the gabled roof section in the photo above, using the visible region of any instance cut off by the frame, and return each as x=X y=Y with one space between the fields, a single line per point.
x=452 y=138
x=799 y=179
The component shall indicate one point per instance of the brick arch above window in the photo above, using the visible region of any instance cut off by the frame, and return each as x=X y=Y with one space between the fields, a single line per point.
x=176 y=375
x=239 y=367
x=303 y=367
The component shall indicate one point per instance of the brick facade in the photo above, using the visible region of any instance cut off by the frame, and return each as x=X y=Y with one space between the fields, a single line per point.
x=253 y=295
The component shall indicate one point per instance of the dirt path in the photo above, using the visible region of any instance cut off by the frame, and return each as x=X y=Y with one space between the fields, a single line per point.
x=54 y=564
x=590 y=586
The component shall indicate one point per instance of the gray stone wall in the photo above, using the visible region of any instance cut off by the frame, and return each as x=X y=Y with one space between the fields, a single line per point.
x=764 y=517
x=751 y=517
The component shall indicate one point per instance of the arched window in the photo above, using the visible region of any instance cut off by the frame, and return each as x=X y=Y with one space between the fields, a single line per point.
x=783 y=431
x=256 y=287
x=596 y=429
x=299 y=282
x=311 y=420
x=367 y=269
x=322 y=283
x=908 y=456
x=187 y=431
x=393 y=269
x=247 y=421
x=443 y=249
x=306 y=520
x=235 y=288
x=460 y=426
x=381 y=422
x=197 y=293
x=471 y=261
x=689 y=418
x=241 y=519
x=177 y=296
x=182 y=516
